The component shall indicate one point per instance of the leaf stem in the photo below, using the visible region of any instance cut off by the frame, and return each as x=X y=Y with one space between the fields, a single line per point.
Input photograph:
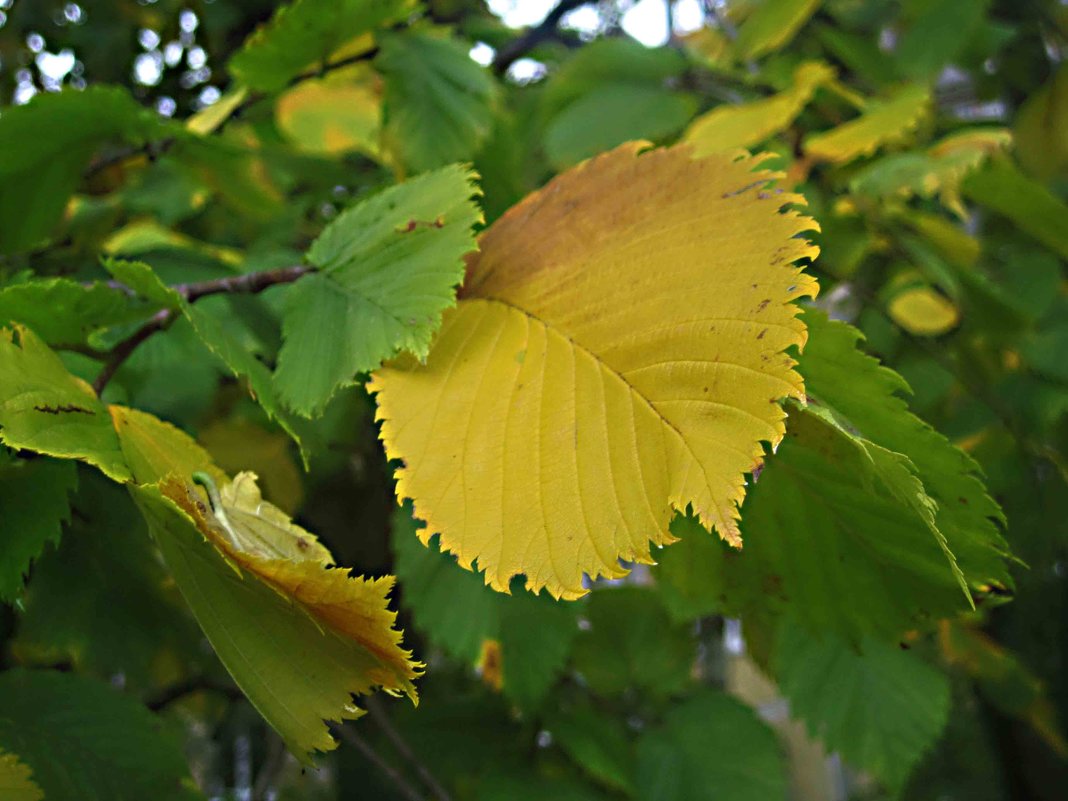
x=381 y=719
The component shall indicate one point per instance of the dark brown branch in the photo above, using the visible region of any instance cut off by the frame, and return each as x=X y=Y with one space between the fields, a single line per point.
x=381 y=719
x=154 y=149
x=175 y=692
x=542 y=32
x=248 y=283
x=349 y=735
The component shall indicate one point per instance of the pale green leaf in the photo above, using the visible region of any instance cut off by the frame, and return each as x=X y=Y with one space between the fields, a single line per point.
x=45 y=409
x=63 y=312
x=881 y=707
x=388 y=268
x=87 y=741
x=438 y=103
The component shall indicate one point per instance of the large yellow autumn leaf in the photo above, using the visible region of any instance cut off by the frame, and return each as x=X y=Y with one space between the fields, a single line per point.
x=617 y=353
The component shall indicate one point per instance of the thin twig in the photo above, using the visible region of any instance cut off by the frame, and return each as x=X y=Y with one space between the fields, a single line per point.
x=159 y=147
x=542 y=32
x=247 y=283
x=349 y=735
x=381 y=719
x=175 y=692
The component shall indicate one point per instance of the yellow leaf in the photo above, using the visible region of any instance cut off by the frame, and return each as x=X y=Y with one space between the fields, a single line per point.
x=335 y=114
x=728 y=127
x=237 y=444
x=617 y=353
x=924 y=311
x=141 y=236
x=16 y=780
x=208 y=119
x=883 y=122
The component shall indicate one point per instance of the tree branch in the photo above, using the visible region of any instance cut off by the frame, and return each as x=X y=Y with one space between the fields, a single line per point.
x=156 y=148
x=247 y=283
x=542 y=32
x=381 y=719
x=175 y=692
x=356 y=741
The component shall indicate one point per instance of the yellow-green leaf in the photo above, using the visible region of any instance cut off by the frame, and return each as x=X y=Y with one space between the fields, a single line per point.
x=298 y=635
x=44 y=408
x=335 y=114
x=924 y=311
x=617 y=353
x=883 y=122
x=727 y=127
x=772 y=25
x=16 y=780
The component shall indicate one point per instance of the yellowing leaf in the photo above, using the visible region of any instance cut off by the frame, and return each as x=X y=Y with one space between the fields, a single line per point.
x=727 y=127
x=333 y=115
x=924 y=311
x=16 y=780
x=299 y=635
x=209 y=118
x=44 y=408
x=617 y=353
x=884 y=122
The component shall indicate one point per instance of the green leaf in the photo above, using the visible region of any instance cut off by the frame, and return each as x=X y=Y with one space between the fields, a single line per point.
x=631 y=642
x=710 y=748
x=388 y=268
x=1039 y=128
x=84 y=740
x=772 y=25
x=33 y=496
x=867 y=398
x=597 y=744
x=688 y=572
x=880 y=706
x=458 y=613
x=605 y=61
x=937 y=35
x=103 y=601
x=613 y=114
x=63 y=312
x=45 y=409
x=47 y=143
x=304 y=34
x=1029 y=205
x=438 y=103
